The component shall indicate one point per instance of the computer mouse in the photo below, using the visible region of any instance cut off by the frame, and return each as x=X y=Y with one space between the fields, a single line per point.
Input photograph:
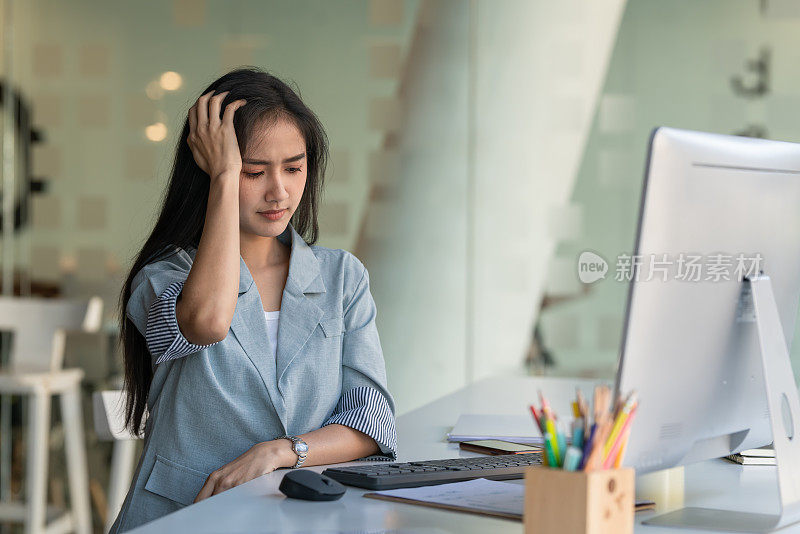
x=310 y=486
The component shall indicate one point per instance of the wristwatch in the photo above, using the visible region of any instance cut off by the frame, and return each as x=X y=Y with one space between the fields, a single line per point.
x=299 y=447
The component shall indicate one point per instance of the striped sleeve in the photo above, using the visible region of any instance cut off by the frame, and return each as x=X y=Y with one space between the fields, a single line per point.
x=164 y=338
x=365 y=409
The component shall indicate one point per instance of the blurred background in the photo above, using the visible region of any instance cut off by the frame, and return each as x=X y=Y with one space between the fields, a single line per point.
x=478 y=147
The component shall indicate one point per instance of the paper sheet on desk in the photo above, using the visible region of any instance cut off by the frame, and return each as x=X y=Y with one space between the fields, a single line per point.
x=489 y=497
x=478 y=496
x=515 y=428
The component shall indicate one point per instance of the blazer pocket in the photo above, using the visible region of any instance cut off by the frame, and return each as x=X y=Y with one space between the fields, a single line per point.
x=332 y=327
x=174 y=481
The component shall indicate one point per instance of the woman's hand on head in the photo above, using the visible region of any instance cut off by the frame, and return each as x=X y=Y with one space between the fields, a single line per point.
x=262 y=458
x=213 y=140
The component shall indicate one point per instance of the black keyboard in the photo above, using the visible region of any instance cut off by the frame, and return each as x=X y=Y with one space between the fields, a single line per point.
x=431 y=472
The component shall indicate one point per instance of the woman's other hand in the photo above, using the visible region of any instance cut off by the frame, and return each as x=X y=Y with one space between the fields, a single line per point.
x=262 y=458
x=213 y=140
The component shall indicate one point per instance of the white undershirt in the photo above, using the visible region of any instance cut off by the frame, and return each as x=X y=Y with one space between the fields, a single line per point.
x=272 y=330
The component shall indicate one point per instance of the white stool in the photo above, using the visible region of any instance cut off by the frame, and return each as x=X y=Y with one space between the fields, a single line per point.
x=35 y=370
x=109 y=424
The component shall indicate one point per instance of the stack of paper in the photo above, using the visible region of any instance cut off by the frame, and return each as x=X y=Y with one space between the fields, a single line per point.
x=762 y=456
x=515 y=428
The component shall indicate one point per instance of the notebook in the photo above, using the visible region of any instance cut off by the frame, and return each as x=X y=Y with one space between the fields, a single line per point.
x=514 y=428
x=762 y=456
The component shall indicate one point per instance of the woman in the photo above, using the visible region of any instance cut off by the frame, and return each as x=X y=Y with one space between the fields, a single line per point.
x=232 y=391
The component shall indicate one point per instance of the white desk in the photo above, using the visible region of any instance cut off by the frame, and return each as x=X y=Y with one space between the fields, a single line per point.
x=258 y=505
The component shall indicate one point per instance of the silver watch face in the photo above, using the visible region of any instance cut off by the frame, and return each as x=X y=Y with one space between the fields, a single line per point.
x=300 y=447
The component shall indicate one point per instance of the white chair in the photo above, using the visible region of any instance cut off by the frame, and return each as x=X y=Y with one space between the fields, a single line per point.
x=109 y=424
x=35 y=371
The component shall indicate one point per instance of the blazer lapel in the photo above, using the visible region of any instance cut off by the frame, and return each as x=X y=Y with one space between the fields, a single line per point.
x=250 y=328
x=299 y=314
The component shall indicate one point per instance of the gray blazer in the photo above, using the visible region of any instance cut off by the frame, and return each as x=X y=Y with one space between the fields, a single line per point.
x=212 y=403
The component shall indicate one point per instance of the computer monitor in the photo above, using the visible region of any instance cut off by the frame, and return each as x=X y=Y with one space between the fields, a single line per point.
x=690 y=347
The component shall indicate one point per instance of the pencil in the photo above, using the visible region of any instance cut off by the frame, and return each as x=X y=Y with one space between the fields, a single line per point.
x=551 y=431
x=621 y=454
x=587 y=445
x=611 y=456
x=621 y=418
x=552 y=461
x=595 y=457
x=584 y=408
x=537 y=418
x=546 y=407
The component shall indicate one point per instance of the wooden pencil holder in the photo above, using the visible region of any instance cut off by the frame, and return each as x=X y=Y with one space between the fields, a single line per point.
x=572 y=502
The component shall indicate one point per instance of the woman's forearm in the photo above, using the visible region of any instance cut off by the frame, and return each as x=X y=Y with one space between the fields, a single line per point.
x=331 y=444
x=206 y=305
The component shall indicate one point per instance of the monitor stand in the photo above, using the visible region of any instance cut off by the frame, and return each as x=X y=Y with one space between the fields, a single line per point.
x=784 y=415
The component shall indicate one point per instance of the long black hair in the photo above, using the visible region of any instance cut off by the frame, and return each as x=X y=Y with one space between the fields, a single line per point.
x=183 y=211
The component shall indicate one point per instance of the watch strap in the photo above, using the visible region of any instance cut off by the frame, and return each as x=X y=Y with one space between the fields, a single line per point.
x=301 y=456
